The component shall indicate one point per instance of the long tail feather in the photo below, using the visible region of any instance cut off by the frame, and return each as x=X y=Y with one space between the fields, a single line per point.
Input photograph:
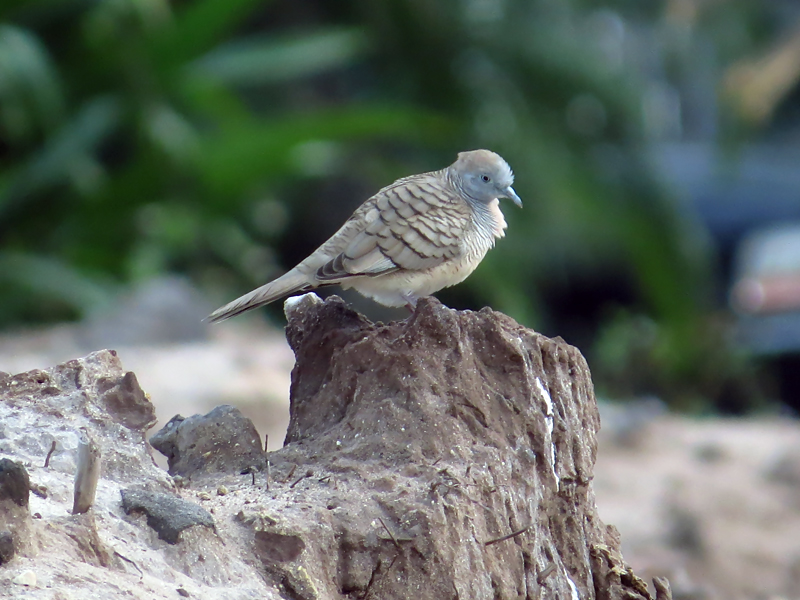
x=287 y=284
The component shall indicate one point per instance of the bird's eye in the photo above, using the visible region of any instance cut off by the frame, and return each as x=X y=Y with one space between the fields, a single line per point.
x=485 y=178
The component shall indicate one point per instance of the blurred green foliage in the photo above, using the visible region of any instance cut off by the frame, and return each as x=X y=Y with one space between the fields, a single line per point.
x=224 y=139
x=135 y=137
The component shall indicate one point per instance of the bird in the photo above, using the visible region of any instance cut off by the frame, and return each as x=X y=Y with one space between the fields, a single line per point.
x=412 y=238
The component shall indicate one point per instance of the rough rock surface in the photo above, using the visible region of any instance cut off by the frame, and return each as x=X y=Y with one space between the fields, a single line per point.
x=15 y=485
x=15 y=489
x=104 y=553
x=223 y=441
x=6 y=546
x=166 y=513
x=450 y=430
x=446 y=456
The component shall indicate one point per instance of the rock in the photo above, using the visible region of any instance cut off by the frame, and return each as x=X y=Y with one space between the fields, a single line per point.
x=663 y=591
x=25 y=578
x=167 y=514
x=39 y=490
x=450 y=455
x=15 y=485
x=468 y=437
x=6 y=546
x=126 y=401
x=612 y=577
x=223 y=441
x=295 y=306
x=43 y=406
x=15 y=517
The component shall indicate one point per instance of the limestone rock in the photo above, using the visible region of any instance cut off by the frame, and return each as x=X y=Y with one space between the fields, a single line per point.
x=103 y=554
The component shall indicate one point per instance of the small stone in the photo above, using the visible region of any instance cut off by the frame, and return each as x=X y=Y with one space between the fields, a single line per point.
x=25 y=578
x=15 y=484
x=6 y=546
x=222 y=490
x=39 y=490
x=183 y=592
x=294 y=306
x=166 y=513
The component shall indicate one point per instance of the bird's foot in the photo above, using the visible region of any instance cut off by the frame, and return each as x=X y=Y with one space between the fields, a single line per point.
x=411 y=302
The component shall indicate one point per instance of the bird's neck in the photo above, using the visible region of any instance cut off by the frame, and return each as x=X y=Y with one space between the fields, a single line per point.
x=457 y=185
x=486 y=215
x=490 y=218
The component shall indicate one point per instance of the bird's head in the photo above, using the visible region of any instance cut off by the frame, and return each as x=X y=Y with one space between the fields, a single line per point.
x=484 y=176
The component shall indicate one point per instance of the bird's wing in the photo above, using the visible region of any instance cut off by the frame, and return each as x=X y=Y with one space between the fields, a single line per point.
x=414 y=224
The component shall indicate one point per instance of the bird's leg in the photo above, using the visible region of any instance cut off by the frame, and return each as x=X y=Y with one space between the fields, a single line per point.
x=411 y=302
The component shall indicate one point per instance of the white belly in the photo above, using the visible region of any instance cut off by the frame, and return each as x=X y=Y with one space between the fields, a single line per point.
x=403 y=287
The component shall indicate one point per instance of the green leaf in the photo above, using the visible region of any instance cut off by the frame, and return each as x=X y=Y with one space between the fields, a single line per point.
x=268 y=59
x=239 y=156
x=31 y=99
x=68 y=154
x=51 y=279
x=199 y=27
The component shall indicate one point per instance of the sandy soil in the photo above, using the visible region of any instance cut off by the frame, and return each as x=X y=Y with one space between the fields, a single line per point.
x=712 y=504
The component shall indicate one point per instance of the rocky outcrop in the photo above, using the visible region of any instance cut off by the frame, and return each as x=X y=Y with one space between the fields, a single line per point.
x=460 y=446
x=446 y=456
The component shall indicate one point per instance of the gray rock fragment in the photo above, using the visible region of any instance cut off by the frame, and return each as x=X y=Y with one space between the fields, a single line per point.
x=15 y=517
x=6 y=546
x=127 y=402
x=166 y=513
x=14 y=482
x=223 y=441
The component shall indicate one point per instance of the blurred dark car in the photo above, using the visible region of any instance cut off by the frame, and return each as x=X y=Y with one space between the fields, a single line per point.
x=750 y=205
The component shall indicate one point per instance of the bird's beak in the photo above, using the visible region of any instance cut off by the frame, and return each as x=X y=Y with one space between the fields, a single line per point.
x=512 y=195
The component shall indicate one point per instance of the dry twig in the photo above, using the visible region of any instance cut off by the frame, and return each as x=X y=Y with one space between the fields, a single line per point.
x=509 y=536
x=391 y=535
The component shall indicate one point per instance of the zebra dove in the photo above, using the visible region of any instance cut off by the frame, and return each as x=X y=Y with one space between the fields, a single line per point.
x=414 y=237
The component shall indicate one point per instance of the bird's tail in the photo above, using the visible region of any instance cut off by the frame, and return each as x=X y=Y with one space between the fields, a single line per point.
x=291 y=282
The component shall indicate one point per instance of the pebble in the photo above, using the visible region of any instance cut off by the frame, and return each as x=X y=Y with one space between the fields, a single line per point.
x=25 y=578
